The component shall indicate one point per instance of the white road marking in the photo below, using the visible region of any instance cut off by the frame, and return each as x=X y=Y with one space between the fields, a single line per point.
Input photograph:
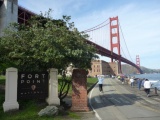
x=98 y=117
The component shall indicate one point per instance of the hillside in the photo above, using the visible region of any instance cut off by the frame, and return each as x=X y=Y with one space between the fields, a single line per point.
x=127 y=69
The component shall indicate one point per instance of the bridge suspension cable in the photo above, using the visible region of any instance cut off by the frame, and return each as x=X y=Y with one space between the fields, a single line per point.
x=123 y=51
x=99 y=34
x=97 y=26
x=125 y=42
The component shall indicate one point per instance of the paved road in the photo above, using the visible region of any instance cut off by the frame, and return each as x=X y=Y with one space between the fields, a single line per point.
x=121 y=102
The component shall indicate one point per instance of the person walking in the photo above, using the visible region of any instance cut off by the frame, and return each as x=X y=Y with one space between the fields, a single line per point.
x=139 y=82
x=119 y=77
x=147 y=86
x=113 y=76
x=100 y=82
x=132 y=81
x=142 y=84
x=122 y=80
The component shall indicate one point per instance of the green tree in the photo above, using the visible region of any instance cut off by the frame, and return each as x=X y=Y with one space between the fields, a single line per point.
x=45 y=43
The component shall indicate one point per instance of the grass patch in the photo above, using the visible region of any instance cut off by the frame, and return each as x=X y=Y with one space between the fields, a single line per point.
x=91 y=82
x=29 y=111
x=73 y=115
x=2 y=79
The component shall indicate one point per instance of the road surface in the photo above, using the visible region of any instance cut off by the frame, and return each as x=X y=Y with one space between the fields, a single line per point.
x=117 y=102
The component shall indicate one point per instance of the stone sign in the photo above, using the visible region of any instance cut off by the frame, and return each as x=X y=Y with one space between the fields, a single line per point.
x=41 y=85
x=32 y=85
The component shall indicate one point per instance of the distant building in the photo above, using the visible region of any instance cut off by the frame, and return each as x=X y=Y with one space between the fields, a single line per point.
x=102 y=67
x=98 y=67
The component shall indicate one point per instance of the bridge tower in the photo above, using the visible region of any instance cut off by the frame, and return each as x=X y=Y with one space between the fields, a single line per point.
x=115 y=39
x=138 y=62
x=8 y=13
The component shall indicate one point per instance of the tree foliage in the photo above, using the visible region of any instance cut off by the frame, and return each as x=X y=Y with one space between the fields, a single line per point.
x=45 y=43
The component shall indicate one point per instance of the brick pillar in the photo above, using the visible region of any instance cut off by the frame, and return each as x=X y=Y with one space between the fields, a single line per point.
x=79 y=91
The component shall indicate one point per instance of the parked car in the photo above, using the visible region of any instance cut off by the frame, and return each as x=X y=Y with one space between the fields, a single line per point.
x=156 y=85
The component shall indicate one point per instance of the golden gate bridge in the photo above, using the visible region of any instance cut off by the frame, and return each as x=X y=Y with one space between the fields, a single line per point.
x=99 y=37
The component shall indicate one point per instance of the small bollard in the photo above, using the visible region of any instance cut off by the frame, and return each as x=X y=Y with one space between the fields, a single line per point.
x=155 y=89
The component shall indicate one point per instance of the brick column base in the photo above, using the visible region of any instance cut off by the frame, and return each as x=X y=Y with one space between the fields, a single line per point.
x=79 y=91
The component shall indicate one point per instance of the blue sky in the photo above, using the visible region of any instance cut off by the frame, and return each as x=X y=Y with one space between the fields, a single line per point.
x=139 y=20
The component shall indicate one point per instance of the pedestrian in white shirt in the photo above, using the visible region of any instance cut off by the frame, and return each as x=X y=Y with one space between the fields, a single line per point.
x=100 y=82
x=147 y=86
x=132 y=81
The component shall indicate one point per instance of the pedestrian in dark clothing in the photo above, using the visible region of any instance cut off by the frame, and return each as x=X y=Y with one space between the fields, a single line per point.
x=142 y=84
x=139 y=82
x=122 y=79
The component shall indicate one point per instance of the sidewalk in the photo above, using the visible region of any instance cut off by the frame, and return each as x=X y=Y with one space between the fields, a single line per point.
x=153 y=101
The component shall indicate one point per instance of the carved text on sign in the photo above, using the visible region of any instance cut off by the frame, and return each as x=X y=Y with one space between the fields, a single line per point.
x=32 y=85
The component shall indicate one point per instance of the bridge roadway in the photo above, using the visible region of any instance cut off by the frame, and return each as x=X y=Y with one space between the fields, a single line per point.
x=121 y=102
